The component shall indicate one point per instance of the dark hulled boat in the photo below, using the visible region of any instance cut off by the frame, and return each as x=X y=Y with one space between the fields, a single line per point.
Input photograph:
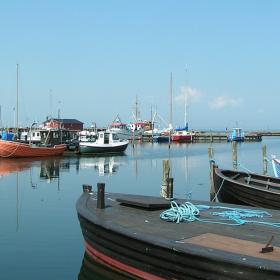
x=129 y=236
x=245 y=188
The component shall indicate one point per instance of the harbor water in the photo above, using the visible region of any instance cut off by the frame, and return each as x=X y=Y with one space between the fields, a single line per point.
x=40 y=236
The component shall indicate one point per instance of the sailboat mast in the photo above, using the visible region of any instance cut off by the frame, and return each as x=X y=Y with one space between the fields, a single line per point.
x=17 y=102
x=171 y=105
x=186 y=96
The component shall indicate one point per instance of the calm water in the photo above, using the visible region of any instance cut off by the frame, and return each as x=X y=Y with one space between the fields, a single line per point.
x=40 y=237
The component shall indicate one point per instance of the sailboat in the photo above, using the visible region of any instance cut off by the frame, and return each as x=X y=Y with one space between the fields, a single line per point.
x=9 y=148
x=182 y=134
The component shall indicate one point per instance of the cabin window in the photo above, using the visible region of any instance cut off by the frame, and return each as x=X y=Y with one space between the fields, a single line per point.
x=38 y=134
x=33 y=134
x=115 y=137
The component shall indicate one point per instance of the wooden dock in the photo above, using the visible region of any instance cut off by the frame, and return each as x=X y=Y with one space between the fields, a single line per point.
x=210 y=137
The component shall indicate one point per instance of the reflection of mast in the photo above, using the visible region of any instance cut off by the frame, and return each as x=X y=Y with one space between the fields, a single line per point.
x=17 y=226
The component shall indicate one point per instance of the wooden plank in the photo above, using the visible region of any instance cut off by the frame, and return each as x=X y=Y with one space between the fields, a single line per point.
x=234 y=245
x=145 y=202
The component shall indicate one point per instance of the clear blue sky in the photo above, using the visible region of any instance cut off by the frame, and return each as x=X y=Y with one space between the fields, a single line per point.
x=91 y=59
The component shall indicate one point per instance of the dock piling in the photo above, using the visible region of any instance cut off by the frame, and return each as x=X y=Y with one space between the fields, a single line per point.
x=234 y=155
x=100 y=195
x=211 y=162
x=264 y=154
x=169 y=191
x=165 y=177
x=87 y=188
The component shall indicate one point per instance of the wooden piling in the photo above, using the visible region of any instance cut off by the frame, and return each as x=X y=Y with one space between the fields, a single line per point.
x=234 y=155
x=169 y=188
x=264 y=155
x=100 y=195
x=87 y=188
x=211 y=162
x=165 y=177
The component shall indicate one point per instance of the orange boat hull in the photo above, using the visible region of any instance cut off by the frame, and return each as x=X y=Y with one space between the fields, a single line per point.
x=10 y=149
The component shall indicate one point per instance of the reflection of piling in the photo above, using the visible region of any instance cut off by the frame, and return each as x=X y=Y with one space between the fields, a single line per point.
x=264 y=154
x=165 y=177
x=234 y=155
x=100 y=195
x=212 y=162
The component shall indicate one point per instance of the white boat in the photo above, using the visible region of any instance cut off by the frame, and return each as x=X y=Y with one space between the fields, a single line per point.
x=106 y=142
x=121 y=129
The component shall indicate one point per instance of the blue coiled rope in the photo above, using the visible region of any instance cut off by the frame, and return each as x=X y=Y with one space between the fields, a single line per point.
x=189 y=212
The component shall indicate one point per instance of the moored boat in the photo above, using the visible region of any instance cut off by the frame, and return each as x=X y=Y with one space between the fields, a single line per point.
x=239 y=187
x=106 y=142
x=182 y=136
x=14 y=149
x=127 y=235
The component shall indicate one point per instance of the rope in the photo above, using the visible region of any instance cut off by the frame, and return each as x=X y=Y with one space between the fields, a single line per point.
x=11 y=152
x=189 y=212
x=217 y=193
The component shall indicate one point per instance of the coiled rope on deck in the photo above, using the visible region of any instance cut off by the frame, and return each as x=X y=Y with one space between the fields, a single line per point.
x=189 y=212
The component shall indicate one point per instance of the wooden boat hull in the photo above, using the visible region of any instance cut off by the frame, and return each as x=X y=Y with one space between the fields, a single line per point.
x=91 y=148
x=137 y=243
x=261 y=191
x=11 y=149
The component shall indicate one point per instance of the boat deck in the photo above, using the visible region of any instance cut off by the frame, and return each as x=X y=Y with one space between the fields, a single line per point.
x=233 y=244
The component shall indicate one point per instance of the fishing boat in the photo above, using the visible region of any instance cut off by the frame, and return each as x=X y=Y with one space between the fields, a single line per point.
x=106 y=142
x=245 y=188
x=121 y=129
x=14 y=149
x=126 y=233
x=236 y=135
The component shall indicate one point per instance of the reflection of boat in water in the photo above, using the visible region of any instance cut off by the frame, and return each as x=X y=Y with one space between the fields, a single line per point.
x=94 y=270
x=8 y=166
x=104 y=165
x=50 y=169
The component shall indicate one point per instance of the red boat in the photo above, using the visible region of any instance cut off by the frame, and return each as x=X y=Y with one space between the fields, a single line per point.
x=181 y=136
x=13 y=149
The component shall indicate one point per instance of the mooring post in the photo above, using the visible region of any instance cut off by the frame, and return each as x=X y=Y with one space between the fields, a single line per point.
x=169 y=191
x=264 y=154
x=100 y=195
x=165 y=177
x=87 y=188
x=234 y=155
x=211 y=162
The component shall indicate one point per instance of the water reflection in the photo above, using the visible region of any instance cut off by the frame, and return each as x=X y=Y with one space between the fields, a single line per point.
x=8 y=166
x=50 y=168
x=93 y=270
x=103 y=165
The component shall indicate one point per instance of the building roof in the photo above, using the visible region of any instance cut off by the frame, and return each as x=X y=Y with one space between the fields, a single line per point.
x=68 y=121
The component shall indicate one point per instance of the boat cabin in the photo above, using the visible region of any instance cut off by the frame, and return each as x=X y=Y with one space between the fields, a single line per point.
x=107 y=137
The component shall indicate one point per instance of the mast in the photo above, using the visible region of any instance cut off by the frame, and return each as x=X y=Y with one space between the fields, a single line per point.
x=186 y=96
x=17 y=102
x=171 y=105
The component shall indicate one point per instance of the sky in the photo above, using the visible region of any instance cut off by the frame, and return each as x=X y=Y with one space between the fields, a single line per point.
x=89 y=60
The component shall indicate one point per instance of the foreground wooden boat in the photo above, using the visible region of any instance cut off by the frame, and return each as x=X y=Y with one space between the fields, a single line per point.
x=246 y=188
x=13 y=149
x=129 y=236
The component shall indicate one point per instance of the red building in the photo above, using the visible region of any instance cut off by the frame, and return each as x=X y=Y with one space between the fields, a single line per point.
x=69 y=124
